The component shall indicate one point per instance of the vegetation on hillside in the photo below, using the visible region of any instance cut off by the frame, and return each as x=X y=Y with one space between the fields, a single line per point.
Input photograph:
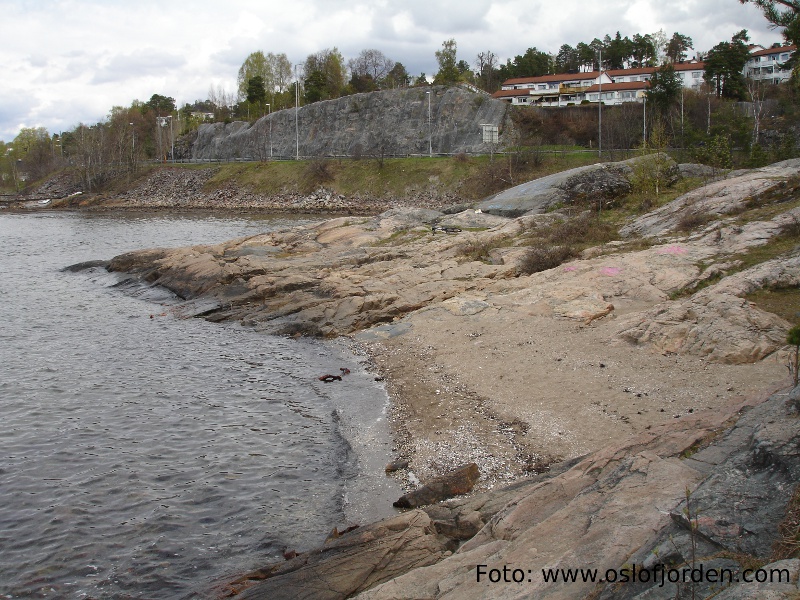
x=709 y=123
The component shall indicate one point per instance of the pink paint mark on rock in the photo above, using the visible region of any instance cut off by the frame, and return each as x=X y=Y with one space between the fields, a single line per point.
x=570 y=268
x=672 y=250
x=610 y=271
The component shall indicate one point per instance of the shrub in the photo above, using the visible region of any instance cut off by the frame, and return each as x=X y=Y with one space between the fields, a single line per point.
x=542 y=258
x=318 y=171
x=692 y=220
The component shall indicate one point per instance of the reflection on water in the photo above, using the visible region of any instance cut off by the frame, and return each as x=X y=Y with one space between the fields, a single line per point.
x=144 y=457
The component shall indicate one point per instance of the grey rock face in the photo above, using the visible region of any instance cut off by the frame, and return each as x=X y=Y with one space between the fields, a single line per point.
x=392 y=122
x=592 y=183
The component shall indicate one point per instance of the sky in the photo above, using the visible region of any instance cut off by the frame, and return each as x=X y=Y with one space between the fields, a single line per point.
x=65 y=62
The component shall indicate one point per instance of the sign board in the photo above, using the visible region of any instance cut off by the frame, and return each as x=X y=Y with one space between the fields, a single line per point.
x=490 y=134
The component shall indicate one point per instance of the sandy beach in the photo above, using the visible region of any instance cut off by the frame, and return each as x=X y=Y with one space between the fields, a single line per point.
x=515 y=392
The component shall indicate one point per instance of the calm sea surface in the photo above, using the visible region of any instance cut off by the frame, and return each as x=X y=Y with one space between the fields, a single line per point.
x=146 y=457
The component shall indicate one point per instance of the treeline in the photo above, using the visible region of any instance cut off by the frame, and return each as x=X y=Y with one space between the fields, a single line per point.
x=267 y=82
x=94 y=153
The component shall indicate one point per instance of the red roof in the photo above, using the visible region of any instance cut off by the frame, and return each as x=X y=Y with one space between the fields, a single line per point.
x=778 y=50
x=618 y=87
x=684 y=66
x=553 y=78
x=511 y=93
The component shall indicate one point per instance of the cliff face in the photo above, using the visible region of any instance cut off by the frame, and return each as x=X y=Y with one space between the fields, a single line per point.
x=384 y=123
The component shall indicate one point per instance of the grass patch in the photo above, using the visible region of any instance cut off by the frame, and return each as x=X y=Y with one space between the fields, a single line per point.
x=479 y=249
x=395 y=177
x=788 y=545
x=784 y=302
x=562 y=240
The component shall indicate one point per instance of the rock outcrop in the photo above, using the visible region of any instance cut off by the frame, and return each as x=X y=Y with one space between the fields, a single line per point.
x=348 y=274
x=455 y=483
x=716 y=199
x=591 y=184
x=407 y=270
x=708 y=489
x=386 y=123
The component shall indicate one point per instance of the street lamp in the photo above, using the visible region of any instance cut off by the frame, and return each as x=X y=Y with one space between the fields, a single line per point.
x=644 y=121
x=430 y=134
x=296 y=124
x=269 y=114
x=163 y=122
x=600 y=108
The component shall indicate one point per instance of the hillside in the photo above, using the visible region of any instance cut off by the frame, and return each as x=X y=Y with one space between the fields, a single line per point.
x=390 y=122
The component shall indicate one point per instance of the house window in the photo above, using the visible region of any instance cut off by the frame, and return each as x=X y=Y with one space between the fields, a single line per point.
x=695 y=74
x=593 y=97
x=542 y=86
x=784 y=57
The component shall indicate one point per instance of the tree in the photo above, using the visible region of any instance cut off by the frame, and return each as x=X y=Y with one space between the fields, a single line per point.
x=781 y=13
x=327 y=72
x=255 y=65
x=448 y=64
x=486 y=71
x=643 y=51
x=398 y=77
x=531 y=64
x=785 y=14
x=618 y=52
x=314 y=87
x=161 y=105
x=256 y=93
x=371 y=63
x=724 y=64
x=678 y=46
x=664 y=90
x=650 y=172
x=659 y=39
x=566 y=59
x=362 y=83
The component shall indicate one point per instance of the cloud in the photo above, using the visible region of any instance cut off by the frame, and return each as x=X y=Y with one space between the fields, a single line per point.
x=66 y=61
x=142 y=63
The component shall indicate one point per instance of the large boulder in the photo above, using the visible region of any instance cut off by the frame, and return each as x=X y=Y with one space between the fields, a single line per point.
x=590 y=184
x=455 y=483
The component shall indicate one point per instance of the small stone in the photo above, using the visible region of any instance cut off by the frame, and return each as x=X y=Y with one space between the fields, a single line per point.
x=396 y=465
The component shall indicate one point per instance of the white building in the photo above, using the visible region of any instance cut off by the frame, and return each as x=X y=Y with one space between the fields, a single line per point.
x=567 y=89
x=768 y=64
x=629 y=85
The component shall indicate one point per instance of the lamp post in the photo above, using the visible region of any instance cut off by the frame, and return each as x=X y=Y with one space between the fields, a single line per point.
x=644 y=121
x=430 y=133
x=269 y=114
x=600 y=108
x=163 y=122
x=296 y=124
x=133 y=146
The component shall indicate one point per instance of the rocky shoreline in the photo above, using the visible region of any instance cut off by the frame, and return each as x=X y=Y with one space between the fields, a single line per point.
x=601 y=389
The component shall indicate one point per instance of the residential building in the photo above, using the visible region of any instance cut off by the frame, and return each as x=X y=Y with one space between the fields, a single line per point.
x=616 y=86
x=629 y=85
x=769 y=64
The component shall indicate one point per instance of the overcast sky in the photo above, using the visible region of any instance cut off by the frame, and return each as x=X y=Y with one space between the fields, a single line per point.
x=69 y=61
